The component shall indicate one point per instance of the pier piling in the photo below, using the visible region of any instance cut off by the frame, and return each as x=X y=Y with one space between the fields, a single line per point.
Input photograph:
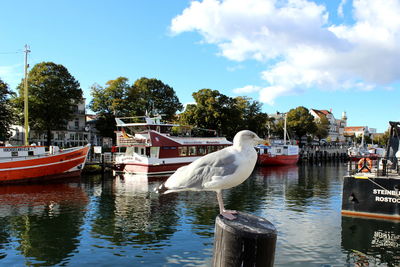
x=248 y=240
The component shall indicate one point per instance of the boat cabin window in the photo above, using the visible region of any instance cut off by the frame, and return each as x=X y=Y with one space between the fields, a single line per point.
x=14 y=153
x=211 y=149
x=136 y=149
x=142 y=151
x=201 y=150
x=129 y=151
x=121 y=149
x=182 y=151
x=192 y=151
x=30 y=153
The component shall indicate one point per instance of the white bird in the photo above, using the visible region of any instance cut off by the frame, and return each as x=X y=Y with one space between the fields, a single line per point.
x=219 y=170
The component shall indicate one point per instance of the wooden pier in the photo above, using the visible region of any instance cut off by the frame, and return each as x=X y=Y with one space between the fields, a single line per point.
x=323 y=154
x=99 y=163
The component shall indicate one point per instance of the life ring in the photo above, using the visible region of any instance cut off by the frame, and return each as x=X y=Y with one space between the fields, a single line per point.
x=365 y=165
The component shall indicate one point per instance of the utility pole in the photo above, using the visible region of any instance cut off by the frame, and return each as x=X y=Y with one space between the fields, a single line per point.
x=26 y=122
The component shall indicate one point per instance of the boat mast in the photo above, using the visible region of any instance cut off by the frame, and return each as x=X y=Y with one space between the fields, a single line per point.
x=284 y=130
x=26 y=123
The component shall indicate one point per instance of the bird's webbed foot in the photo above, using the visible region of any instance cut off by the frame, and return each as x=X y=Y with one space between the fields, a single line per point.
x=231 y=211
x=229 y=214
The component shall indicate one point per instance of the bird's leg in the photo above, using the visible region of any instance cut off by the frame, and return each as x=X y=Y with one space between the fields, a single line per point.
x=228 y=214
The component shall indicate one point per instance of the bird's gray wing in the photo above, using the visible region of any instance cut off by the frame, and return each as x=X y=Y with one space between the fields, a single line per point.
x=193 y=177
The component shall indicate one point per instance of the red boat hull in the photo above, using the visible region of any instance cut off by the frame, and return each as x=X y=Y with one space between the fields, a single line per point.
x=59 y=165
x=267 y=160
x=161 y=169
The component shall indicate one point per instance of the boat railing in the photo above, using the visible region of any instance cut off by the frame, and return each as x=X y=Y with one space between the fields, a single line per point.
x=123 y=141
x=378 y=166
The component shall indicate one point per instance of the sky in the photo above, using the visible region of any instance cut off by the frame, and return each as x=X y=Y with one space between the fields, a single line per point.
x=338 y=55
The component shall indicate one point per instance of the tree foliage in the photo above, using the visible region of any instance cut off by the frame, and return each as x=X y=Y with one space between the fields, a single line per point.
x=6 y=114
x=382 y=139
x=111 y=99
x=119 y=99
x=322 y=128
x=108 y=102
x=301 y=122
x=53 y=95
x=155 y=97
x=227 y=115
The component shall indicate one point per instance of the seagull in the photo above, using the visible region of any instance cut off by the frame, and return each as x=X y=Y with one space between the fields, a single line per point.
x=219 y=170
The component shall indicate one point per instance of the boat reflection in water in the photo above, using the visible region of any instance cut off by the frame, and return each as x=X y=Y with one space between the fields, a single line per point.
x=370 y=242
x=31 y=216
x=285 y=171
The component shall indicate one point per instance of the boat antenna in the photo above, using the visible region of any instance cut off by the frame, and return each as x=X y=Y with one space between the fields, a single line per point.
x=26 y=122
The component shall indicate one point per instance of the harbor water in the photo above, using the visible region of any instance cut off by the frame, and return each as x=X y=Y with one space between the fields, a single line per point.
x=120 y=221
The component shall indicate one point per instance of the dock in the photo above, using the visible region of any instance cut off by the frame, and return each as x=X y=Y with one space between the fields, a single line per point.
x=99 y=163
x=323 y=154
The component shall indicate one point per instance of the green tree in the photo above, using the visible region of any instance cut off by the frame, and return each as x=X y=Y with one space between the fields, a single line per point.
x=276 y=127
x=227 y=115
x=119 y=99
x=322 y=128
x=252 y=117
x=301 y=122
x=53 y=96
x=108 y=102
x=207 y=113
x=153 y=96
x=381 y=139
x=6 y=114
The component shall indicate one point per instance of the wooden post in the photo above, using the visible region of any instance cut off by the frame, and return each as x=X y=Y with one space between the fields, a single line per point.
x=103 y=164
x=248 y=240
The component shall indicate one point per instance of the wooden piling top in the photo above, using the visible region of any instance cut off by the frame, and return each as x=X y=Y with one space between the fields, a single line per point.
x=247 y=225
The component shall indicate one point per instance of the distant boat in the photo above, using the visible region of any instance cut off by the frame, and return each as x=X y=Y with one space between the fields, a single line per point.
x=275 y=153
x=32 y=163
x=154 y=148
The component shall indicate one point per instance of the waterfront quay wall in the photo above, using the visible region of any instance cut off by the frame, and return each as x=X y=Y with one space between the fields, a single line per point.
x=323 y=153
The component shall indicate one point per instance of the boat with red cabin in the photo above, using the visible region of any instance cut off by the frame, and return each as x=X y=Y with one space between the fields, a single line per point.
x=32 y=163
x=155 y=148
x=277 y=154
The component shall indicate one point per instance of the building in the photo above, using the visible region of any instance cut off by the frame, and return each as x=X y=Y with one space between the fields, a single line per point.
x=356 y=131
x=336 y=126
x=76 y=132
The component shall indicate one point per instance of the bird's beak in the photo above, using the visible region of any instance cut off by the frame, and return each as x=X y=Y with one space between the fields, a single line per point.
x=259 y=141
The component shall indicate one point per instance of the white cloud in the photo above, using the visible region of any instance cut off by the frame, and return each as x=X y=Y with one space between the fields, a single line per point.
x=11 y=75
x=235 y=68
x=340 y=8
x=247 y=89
x=299 y=46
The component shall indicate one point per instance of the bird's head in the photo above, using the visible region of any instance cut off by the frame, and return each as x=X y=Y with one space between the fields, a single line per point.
x=246 y=138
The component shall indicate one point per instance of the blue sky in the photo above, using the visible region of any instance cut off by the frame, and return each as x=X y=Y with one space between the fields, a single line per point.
x=334 y=54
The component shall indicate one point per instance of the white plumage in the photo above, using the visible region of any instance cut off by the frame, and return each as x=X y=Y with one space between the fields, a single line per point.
x=219 y=170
